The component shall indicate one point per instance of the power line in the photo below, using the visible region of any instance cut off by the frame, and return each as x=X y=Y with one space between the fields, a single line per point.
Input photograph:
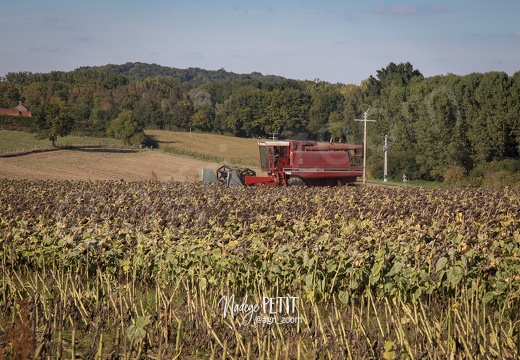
x=385 y=149
x=365 y=120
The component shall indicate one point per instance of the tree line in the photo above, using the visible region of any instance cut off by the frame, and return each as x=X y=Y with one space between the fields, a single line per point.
x=441 y=127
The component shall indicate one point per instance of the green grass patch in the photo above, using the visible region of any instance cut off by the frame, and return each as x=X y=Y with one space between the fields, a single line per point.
x=19 y=140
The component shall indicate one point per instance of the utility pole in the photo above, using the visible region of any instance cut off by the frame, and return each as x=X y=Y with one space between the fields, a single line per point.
x=365 y=144
x=385 y=149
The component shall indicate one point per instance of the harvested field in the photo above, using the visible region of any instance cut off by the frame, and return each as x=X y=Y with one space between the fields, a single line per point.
x=103 y=164
x=176 y=161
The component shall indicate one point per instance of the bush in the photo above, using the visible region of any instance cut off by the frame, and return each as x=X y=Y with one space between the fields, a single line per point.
x=500 y=179
x=509 y=165
x=137 y=139
x=497 y=174
x=126 y=128
x=455 y=175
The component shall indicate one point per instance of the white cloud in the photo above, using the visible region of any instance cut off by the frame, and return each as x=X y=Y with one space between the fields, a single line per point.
x=406 y=10
x=48 y=48
x=43 y=19
x=82 y=39
x=437 y=7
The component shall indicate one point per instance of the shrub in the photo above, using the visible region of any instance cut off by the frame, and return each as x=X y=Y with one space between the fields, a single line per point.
x=455 y=175
x=500 y=179
x=126 y=128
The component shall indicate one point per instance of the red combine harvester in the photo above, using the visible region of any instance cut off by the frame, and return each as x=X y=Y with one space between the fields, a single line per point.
x=295 y=162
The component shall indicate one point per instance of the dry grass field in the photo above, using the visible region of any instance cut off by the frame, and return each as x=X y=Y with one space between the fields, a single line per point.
x=208 y=151
x=217 y=148
x=103 y=164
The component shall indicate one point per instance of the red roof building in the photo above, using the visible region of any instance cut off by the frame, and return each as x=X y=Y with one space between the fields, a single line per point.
x=20 y=110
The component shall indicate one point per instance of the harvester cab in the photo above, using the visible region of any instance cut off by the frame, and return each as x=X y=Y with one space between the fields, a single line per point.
x=273 y=155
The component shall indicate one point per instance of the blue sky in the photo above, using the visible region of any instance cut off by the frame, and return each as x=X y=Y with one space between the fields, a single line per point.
x=335 y=41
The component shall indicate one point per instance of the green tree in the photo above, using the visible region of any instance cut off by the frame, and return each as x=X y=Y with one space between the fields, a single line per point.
x=325 y=99
x=126 y=128
x=392 y=74
x=435 y=130
x=204 y=113
x=488 y=128
x=353 y=101
x=285 y=112
x=202 y=119
x=243 y=114
x=181 y=113
x=52 y=120
x=513 y=143
x=9 y=95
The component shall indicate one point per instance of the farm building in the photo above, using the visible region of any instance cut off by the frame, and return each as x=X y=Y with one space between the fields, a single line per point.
x=20 y=110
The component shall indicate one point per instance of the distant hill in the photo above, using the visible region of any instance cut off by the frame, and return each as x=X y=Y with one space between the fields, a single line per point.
x=194 y=76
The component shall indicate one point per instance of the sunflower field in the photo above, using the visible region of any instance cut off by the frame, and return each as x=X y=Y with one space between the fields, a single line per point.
x=156 y=270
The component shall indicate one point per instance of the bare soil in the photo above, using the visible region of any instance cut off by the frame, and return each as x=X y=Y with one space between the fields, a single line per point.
x=103 y=164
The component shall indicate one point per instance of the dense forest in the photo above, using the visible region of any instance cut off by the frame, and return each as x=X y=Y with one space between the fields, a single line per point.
x=447 y=127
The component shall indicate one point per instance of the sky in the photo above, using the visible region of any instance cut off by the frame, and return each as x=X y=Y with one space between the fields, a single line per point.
x=337 y=41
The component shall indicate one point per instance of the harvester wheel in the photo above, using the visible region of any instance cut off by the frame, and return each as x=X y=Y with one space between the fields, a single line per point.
x=295 y=181
x=246 y=172
x=222 y=173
